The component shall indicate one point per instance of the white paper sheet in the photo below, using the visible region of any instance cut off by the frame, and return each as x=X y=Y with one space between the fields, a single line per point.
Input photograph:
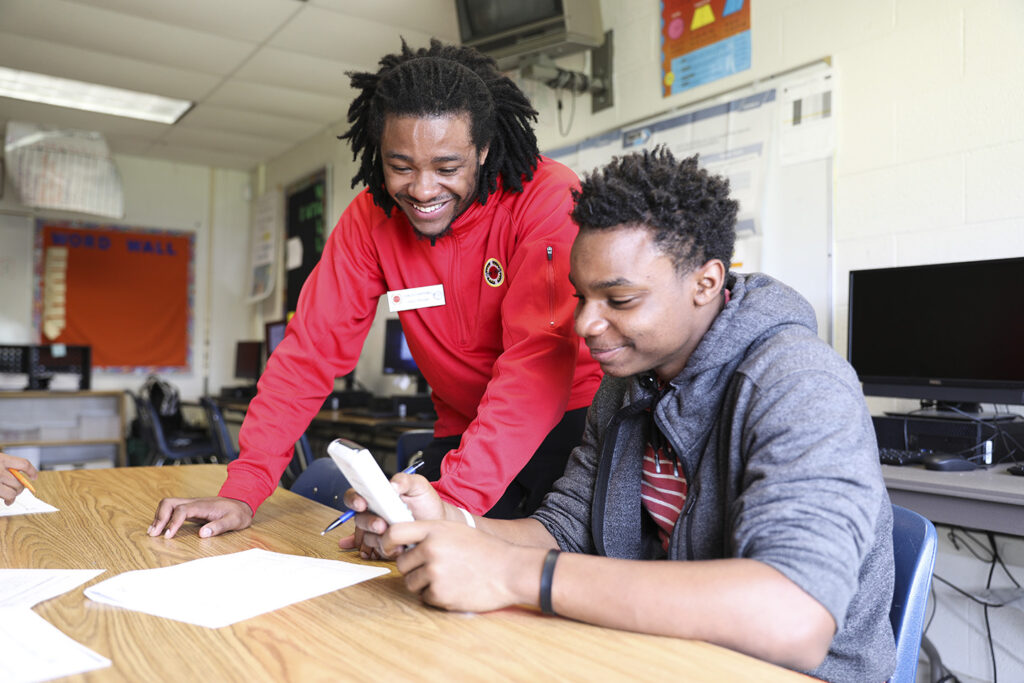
x=32 y=649
x=25 y=504
x=29 y=587
x=219 y=591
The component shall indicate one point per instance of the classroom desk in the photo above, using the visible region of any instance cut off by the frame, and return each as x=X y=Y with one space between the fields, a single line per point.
x=989 y=499
x=374 y=630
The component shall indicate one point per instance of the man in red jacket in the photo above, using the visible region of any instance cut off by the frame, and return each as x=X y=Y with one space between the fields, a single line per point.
x=475 y=260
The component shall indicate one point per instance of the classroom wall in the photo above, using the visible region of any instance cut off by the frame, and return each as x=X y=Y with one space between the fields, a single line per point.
x=213 y=204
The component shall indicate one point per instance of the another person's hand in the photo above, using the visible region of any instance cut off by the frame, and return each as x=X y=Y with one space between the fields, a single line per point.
x=415 y=491
x=222 y=514
x=10 y=487
x=455 y=567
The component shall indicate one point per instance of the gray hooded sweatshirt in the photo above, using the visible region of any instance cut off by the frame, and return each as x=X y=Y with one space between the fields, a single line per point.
x=773 y=435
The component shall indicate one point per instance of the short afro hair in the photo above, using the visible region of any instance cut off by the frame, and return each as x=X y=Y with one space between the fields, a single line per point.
x=688 y=209
x=444 y=80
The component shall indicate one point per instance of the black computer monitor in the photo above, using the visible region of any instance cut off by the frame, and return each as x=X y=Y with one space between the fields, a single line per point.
x=248 y=360
x=948 y=333
x=398 y=358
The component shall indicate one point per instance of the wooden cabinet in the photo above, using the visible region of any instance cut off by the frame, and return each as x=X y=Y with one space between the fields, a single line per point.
x=60 y=429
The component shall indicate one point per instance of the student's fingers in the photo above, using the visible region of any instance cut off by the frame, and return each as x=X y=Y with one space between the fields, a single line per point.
x=233 y=521
x=353 y=501
x=20 y=464
x=398 y=536
x=7 y=491
x=419 y=495
x=223 y=514
x=163 y=513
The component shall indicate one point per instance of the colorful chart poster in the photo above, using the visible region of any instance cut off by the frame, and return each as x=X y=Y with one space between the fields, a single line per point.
x=703 y=41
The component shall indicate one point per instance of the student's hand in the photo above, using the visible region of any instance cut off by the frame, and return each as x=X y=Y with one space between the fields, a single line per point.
x=10 y=487
x=415 y=491
x=223 y=514
x=459 y=568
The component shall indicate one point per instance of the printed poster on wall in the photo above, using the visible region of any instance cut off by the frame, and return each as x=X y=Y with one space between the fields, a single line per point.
x=262 y=241
x=126 y=292
x=703 y=41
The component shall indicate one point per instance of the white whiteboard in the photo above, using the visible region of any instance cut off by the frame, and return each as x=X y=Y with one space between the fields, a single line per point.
x=785 y=222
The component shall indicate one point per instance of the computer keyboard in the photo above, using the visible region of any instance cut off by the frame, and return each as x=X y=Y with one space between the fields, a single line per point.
x=896 y=456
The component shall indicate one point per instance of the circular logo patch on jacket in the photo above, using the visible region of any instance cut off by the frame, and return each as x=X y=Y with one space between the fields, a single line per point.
x=494 y=274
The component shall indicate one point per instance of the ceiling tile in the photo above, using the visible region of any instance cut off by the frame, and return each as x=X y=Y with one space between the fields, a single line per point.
x=286 y=129
x=102 y=30
x=432 y=17
x=40 y=56
x=225 y=141
x=280 y=101
x=248 y=20
x=344 y=38
x=273 y=66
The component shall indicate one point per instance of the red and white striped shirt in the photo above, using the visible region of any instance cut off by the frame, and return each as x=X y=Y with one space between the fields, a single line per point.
x=663 y=491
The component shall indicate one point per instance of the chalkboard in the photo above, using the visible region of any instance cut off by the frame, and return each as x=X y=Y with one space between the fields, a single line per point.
x=305 y=208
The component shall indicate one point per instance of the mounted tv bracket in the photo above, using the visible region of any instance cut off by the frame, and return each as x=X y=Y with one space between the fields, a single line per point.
x=598 y=84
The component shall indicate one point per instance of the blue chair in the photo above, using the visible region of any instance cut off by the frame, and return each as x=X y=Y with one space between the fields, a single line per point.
x=323 y=482
x=914 y=543
x=409 y=445
x=164 y=447
x=219 y=428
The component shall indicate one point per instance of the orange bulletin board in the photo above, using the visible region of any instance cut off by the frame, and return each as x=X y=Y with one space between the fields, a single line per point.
x=126 y=292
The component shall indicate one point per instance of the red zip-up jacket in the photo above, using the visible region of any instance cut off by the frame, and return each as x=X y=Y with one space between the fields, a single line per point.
x=501 y=355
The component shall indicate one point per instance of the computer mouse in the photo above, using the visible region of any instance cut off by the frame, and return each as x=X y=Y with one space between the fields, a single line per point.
x=1016 y=469
x=947 y=462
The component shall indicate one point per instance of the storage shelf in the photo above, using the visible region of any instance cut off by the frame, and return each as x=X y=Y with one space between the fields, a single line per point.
x=63 y=442
x=19 y=408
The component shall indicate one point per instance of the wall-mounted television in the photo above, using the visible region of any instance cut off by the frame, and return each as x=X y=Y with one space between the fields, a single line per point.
x=948 y=333
x=510 y=31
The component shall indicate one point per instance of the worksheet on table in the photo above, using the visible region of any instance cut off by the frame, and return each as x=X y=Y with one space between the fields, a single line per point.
x=25 y=504
x=260 y=581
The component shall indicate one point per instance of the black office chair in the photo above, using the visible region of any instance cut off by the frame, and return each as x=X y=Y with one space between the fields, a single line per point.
x=323 y=482
x=163 y=447
x=409 y=448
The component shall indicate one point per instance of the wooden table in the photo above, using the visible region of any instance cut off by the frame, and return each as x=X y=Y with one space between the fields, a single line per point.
x=375 y=630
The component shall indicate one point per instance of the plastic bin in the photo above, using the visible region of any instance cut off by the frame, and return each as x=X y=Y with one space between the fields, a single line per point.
x=99 y=425
x=18 y=431
x=58 y=431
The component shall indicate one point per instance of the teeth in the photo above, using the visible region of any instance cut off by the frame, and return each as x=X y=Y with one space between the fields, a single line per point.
x=428 y=209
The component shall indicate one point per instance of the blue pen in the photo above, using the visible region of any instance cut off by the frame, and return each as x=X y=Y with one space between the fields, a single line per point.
x=350 y=514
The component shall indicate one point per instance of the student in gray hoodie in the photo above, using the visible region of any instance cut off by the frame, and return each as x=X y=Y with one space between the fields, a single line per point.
x=728 y=486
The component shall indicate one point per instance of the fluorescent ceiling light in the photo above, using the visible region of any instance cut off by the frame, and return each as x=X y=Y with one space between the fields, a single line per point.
x=63 y=92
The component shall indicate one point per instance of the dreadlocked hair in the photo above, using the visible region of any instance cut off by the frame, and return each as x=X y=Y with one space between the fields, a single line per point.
x=444 y=80
x=688 y=210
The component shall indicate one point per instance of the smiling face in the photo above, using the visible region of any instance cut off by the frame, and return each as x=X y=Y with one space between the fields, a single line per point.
x=635 y=312
x=430 y=168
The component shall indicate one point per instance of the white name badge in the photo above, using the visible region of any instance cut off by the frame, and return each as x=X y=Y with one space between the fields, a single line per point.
x=416 y=297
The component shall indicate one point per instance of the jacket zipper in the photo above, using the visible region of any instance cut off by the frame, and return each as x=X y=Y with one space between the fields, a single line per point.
x=551 y=286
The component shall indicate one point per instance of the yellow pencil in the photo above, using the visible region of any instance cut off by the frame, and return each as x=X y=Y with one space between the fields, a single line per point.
x=23 y=479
